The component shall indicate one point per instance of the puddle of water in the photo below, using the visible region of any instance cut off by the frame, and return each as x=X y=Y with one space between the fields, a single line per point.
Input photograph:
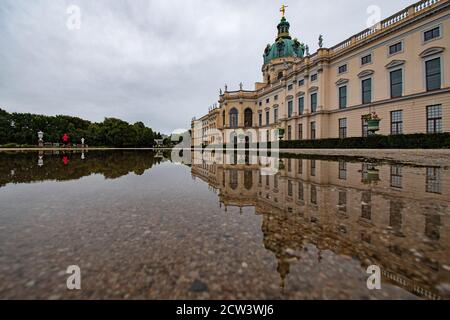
x=142 y=227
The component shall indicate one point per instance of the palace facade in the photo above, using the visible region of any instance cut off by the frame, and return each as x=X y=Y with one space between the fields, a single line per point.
x=400 y=69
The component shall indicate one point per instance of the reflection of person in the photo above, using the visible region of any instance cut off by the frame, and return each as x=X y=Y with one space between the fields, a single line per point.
x=65 y=160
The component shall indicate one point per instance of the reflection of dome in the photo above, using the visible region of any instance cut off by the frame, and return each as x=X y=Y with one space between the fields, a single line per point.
x=284 y=46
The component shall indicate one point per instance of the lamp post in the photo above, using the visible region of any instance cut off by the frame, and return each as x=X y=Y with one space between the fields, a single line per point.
x=41 y=138
x=41 y=158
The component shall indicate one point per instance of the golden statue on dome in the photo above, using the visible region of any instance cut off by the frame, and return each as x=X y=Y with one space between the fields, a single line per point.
x=283 y=9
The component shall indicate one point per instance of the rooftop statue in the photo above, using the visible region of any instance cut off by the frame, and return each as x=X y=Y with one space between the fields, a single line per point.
x=283 y=9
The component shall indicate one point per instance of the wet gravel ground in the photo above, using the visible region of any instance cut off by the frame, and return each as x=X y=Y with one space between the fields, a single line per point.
x=161 y=235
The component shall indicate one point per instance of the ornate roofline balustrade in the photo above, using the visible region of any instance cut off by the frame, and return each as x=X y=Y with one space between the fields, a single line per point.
x=385 y=25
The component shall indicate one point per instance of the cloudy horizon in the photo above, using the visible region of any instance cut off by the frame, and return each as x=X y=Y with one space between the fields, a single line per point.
x=159 y=62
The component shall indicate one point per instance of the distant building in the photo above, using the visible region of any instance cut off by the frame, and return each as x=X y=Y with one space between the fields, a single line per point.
x=159 y=142
x=400 y=70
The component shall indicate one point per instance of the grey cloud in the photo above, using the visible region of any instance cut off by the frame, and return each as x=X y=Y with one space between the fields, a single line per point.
x=160 y=62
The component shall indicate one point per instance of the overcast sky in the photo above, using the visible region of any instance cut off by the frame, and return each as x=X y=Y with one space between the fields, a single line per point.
x=160 y=62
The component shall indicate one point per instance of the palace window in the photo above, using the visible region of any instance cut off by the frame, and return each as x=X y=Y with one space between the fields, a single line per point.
x=260 y=119
x=267 y=100
x=313 y=130
x=342 y=69
x=290 y=87
x=365 y=126
x=313 y=194
x=301 y=105
x=342 y=170
x=395 y=216
x=275 y=98
x=395 y=48
x=301 y=191
x=301 y=82
x=248 y=179
x=342 y=201
x=367 y=91
x=314 y=77
x=396 y=83
x=313 y=102
x=275 y=115
x=342 y=97
x=300 y=131
x=267 y=117
x=343 y=128
x=290 y=108
x=289 y=133
x=396 y=176
x=280 y=75
x=223 y=118
x=366 y=59
x=234 y=114
x=366 y=205
x=396 y=122
x=432 y=226
x=313 y=168
x=433 y=74
x=434 y=119
x=434 y=180
x=432 y=34
x=300 y=166
x=290 y=188
x=234 y=183
x=248 y=118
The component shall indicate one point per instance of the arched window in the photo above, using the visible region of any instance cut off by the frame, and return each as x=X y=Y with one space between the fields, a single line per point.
x=248 y=179
x=233 y=139
x=234 y=179
x=248 y=118
x=280 y=75
x=234 y=116
x=250 y=137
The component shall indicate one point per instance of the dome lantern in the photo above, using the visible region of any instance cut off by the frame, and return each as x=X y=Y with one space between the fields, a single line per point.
x=284 y=46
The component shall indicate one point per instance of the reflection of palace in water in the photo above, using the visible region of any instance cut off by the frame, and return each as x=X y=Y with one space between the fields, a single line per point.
x=393 y=216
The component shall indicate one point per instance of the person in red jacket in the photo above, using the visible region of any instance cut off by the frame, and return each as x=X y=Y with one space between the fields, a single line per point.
x=65 y=139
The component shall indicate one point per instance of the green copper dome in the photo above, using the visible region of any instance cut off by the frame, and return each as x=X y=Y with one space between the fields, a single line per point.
x=284 y=46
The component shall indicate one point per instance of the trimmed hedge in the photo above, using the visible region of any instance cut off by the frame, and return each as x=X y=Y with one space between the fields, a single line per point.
x=406 y=141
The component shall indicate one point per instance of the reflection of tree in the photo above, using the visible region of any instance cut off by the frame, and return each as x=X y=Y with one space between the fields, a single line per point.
x=23 y=167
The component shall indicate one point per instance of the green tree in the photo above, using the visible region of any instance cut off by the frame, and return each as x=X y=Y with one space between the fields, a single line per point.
x=110 y=133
